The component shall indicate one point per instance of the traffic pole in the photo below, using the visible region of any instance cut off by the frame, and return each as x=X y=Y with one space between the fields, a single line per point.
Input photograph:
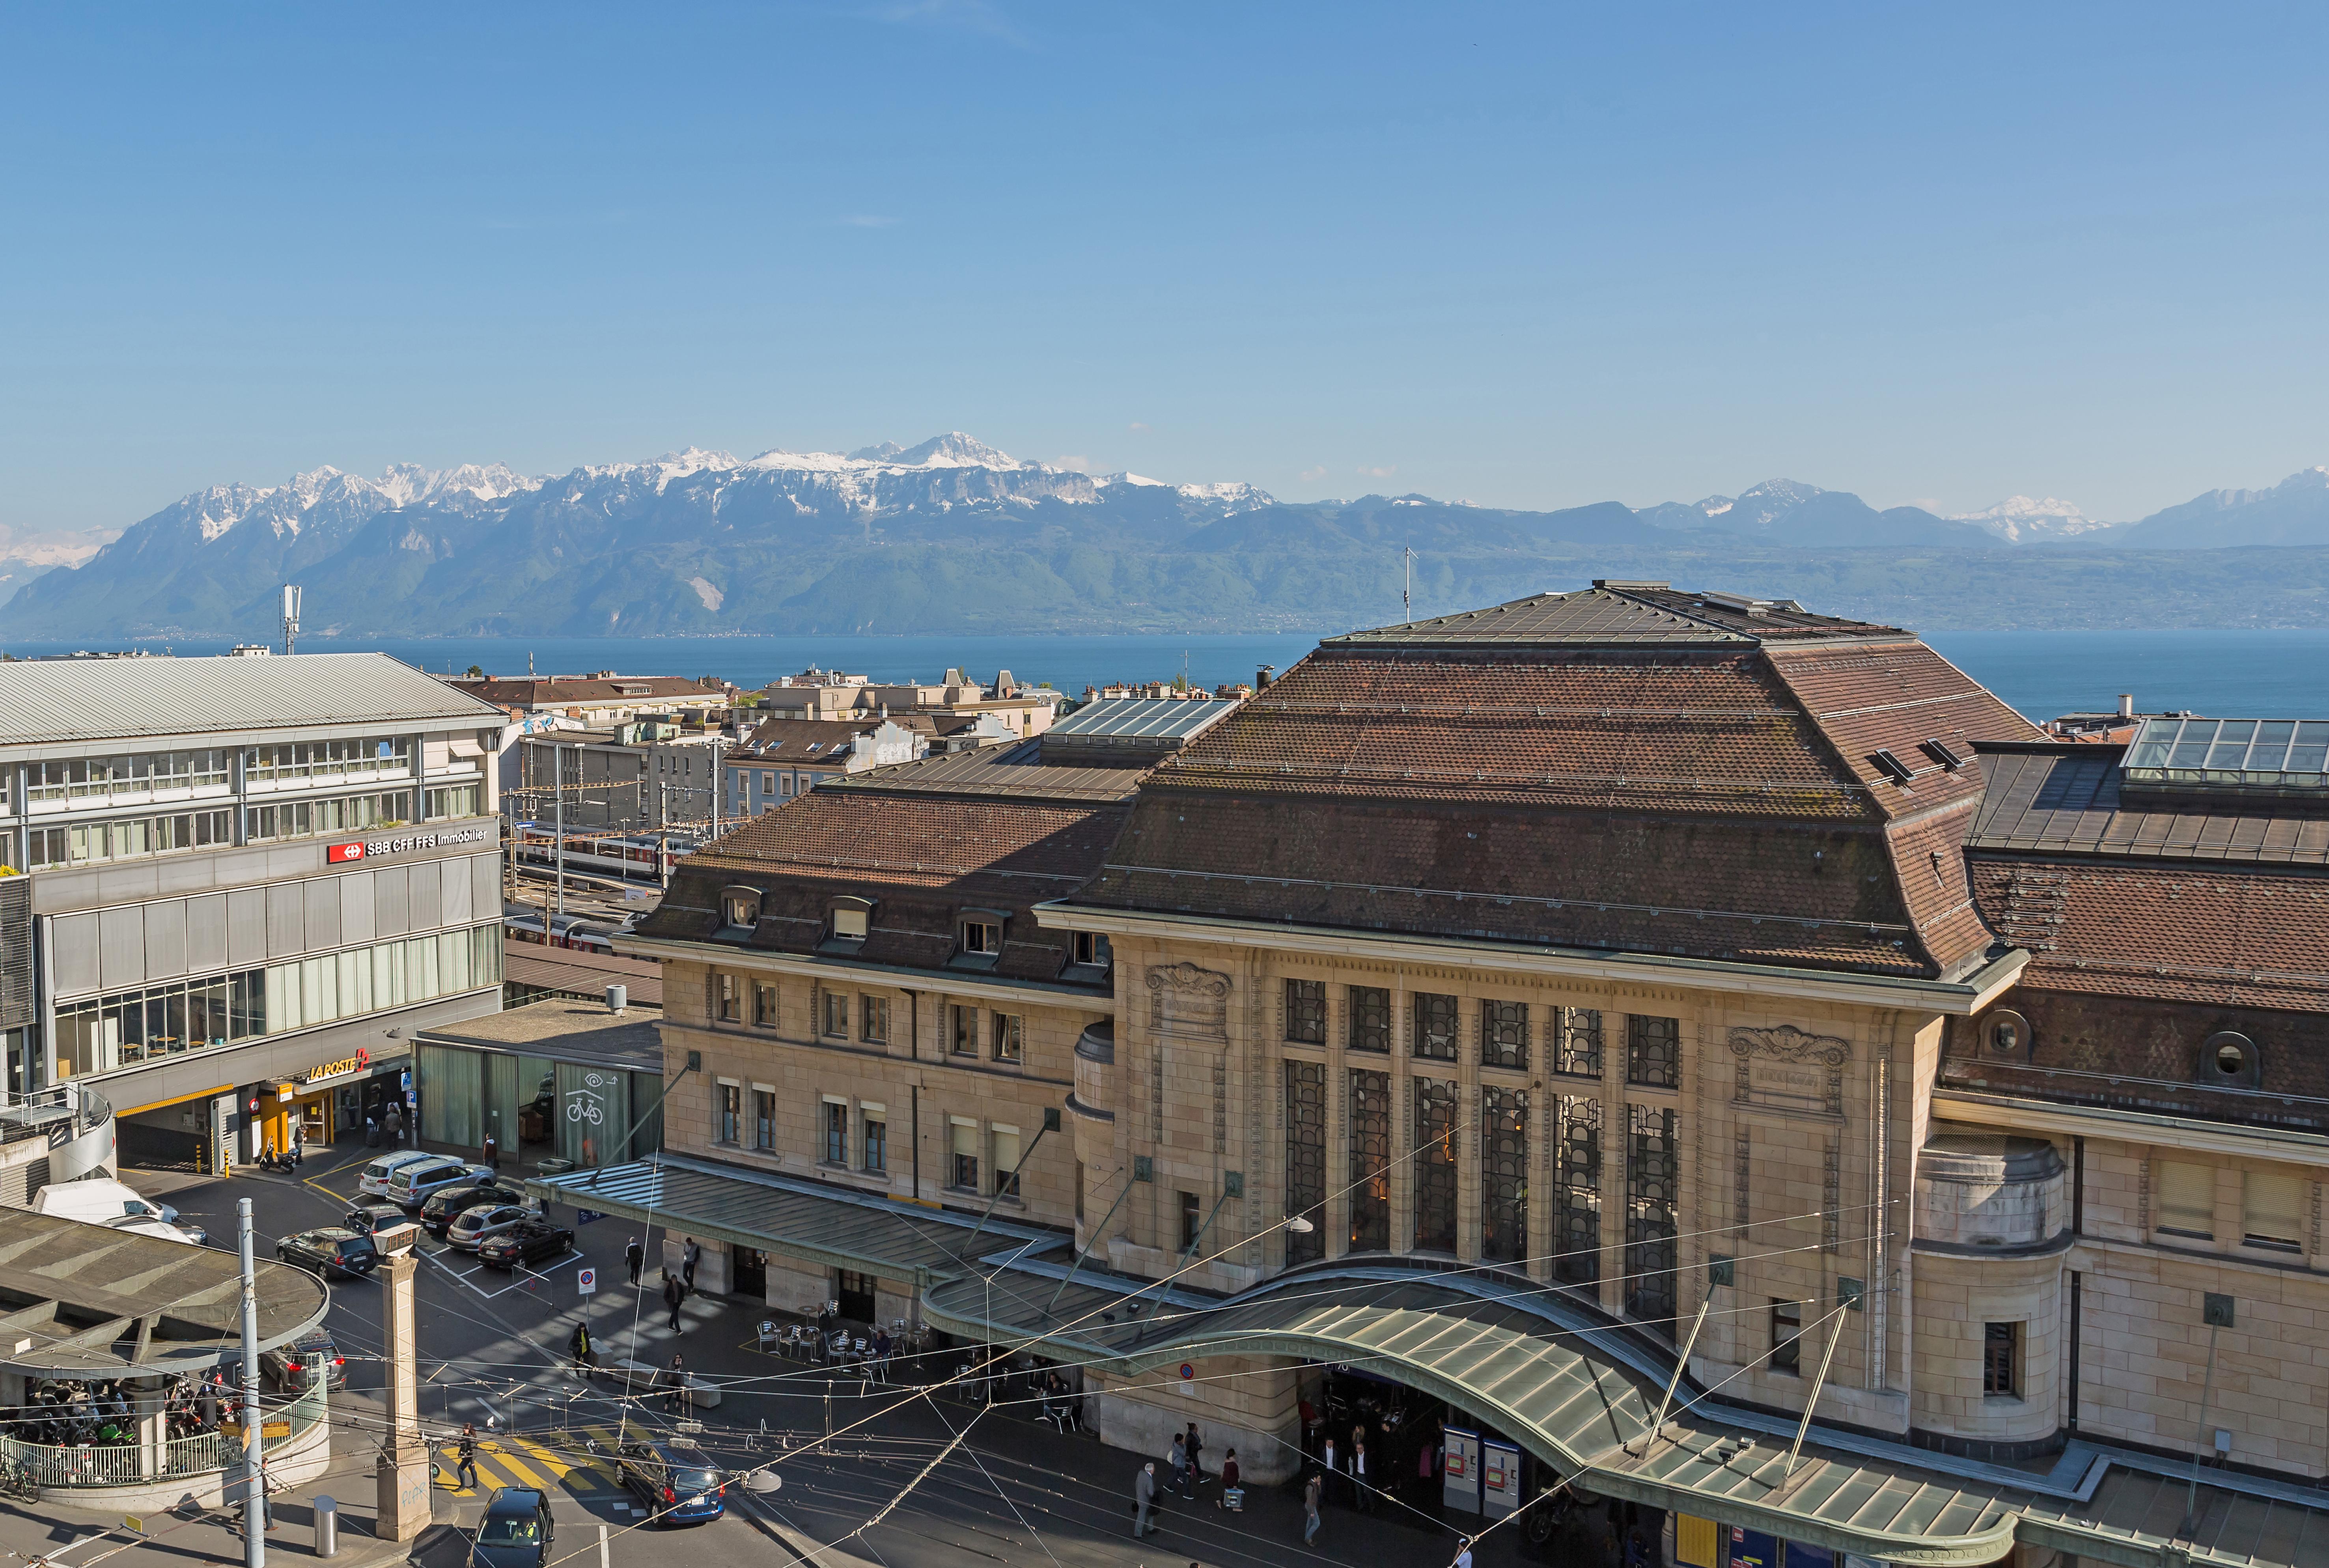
x=254 y=1459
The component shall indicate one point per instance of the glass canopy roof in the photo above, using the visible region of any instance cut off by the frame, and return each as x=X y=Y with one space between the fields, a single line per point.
x=2267 y=753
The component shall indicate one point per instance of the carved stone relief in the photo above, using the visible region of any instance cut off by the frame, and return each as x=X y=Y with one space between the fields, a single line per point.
x=1790 y=1069
x=1188 y=1001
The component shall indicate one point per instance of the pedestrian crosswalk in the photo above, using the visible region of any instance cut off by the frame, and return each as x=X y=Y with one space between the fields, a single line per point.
x=548 y=1461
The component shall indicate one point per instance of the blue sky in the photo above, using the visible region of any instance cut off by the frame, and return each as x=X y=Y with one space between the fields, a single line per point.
x=1531 y=256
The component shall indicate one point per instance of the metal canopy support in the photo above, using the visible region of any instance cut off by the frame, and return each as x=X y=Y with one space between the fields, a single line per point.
x=1164 y=1286
x=1812 y=1403
x=1101 y=1234
x=1718 y=1272
x=1011 y=1183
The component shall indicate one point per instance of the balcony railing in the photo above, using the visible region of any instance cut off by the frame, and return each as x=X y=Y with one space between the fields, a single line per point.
x=58 y=1114
x=132 y=1463
x=2128 y=1091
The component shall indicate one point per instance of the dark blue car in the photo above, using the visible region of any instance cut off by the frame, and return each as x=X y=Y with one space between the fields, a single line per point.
x=676 y=1481
x=516 y=1531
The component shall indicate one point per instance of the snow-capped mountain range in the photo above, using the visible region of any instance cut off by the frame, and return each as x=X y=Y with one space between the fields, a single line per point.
x=949 y=532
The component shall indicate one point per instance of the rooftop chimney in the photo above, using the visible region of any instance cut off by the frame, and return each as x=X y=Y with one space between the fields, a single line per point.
x=2125 y=706
x=1262 y=676
x=618 y=999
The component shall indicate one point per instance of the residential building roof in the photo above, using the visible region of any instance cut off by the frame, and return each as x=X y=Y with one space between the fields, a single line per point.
x=50 y=702
x=1137 y=726
x=552 y=692
x=800 y=742
x=1609 y=770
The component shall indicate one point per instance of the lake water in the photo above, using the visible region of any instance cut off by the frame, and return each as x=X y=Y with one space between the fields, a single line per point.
x=2246 y=674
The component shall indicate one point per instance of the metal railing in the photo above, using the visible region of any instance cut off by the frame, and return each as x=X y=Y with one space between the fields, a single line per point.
x=60 y=1114
x=125 y=1464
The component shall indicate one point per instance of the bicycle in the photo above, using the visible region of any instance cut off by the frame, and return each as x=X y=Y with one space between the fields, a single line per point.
x=17 y=1481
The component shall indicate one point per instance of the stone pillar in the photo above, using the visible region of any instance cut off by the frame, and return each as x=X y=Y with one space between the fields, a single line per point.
x=150 y=1404
x=403 y=1473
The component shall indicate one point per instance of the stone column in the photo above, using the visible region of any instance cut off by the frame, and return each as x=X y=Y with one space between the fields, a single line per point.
x=403 y=1472
x=150 y=1401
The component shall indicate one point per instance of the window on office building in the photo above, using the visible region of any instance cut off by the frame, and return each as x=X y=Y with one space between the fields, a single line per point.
x=1305 y=1012
x=1370 y=1018
x=1503 y=1174
x=1576 y=1218
x=2272 y=1211
x=764 y=1004
x=764 y=1121
x=727 y=1004
x=1003 y=1143
x=1370 y=1161
x=1653 y=1164
x=1653 y=1051
x=876 y=1144
x=2187 y=1198
x=1010 y=1038
x=1504 y=1035
x=732 y=1111
x=1435 y=1166
x=874 y=1019
x=836 y=1013
x=836 y=1132
x=1786 y=1338
x=1435 y=1026
x=1192 y=1224
x=2001 y=1358
x=1577 y=1042
x=966 y=1030
x=962 y=1172
x=1306 y=1158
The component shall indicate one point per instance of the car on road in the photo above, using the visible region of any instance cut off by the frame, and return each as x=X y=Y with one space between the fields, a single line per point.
x=330 y=1250
x=516 y=1531
x=447 y=1204
x=535 y=1241
x=412 y=1185
x=183 y=1231
x=677 y=1482
x=365 y=1218
x=474 y=1227
x=295 y=1368
x=376 y=1174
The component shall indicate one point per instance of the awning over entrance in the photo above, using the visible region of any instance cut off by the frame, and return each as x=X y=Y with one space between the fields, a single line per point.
x=807 y=1221
x=79 y=1299
x=1581 y=1409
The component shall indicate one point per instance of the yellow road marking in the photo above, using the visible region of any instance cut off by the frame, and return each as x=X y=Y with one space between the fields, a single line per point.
x=505 y=1461
x=578 y=1472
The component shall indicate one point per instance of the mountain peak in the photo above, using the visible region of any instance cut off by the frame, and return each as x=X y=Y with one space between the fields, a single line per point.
x=952 y=450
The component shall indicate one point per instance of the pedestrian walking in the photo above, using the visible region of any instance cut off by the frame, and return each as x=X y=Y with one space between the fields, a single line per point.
x=465 y=1457
x=1176 y=1465
x=586 y=1360
x=673 y=1293
x=372 y=1132
x=494 y=1153
x=1312 y=1496
x=1232 y=1498
x=1463 y=1552
x=1195 y=1446
x=393 y=1124
x=678 y=1395
x=633 y=1255
x=1144 y=1500
x=689 y=1255
x=1363 y=1491
x=1332 y=1489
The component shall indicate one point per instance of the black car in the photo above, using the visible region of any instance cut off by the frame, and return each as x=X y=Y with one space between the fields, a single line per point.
x=677 y=1482
x=438 y=1214
x=514 y=1531
x=365 y=1218
x=294 y=1367
x=534 y=1241
x=334 y=1250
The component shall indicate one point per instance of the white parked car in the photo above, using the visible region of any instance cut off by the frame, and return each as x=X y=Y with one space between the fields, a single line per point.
x=376 y=1175
x=100 y=1200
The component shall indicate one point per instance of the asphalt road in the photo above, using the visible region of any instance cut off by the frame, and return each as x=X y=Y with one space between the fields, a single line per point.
x=492 y=1350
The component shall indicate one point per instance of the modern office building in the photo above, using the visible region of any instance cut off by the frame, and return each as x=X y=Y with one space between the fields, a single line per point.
x=236 y=886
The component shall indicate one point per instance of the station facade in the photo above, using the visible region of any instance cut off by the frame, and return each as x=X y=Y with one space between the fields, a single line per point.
x=1653 y=1025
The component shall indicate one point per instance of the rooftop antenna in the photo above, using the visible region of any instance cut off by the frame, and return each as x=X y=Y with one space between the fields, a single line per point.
x=290 y=616
x=528 y=664
x=1407 y=592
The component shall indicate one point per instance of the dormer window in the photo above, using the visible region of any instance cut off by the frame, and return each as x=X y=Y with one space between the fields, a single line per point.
x=1092 y=950
x=981 y=934
x=847 y=922
x=740 y=909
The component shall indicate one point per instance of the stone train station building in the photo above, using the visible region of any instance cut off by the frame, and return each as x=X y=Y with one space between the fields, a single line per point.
x=1632 y=1019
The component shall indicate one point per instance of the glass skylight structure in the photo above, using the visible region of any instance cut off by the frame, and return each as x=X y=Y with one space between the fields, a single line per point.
x=2255 y=753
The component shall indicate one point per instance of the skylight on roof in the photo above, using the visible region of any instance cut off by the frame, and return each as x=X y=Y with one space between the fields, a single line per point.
x=2252 y=753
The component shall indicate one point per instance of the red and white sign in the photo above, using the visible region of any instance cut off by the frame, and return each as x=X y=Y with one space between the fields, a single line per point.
x=337 y=853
